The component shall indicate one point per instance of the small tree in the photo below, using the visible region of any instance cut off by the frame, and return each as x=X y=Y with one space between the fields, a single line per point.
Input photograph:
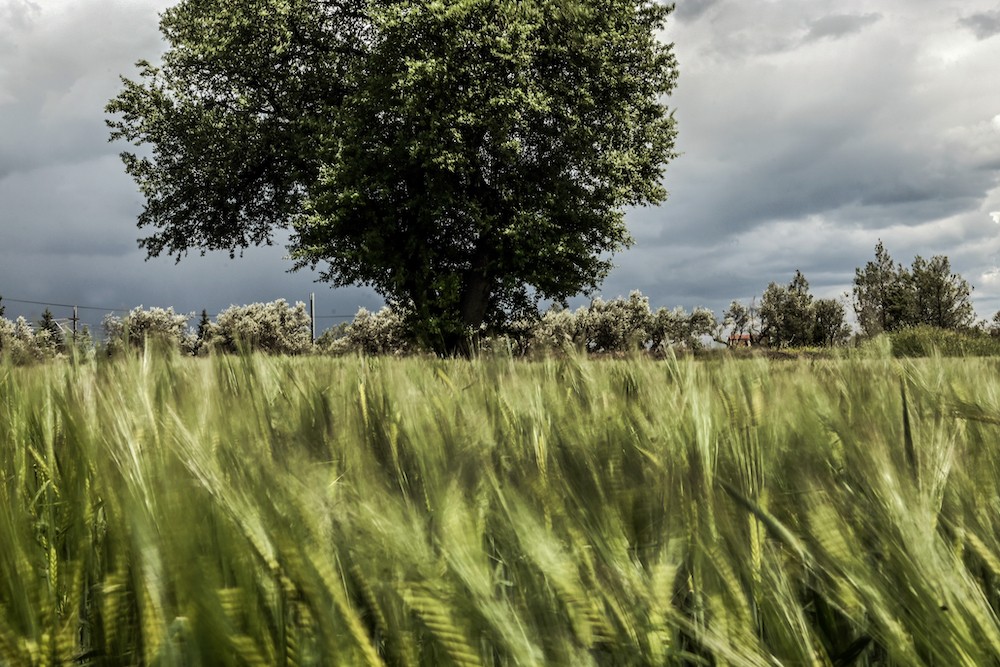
x=882 y=294
x=890 y=297
x=737 y=320
x=829 y=323
x=204 y=331
x=619 y=325
x=55 y=335
x=940 y=298
x=679 y=328
x=20 y=343
x=790 y=317
x=786 y=313
x=369 y=333
x=204 y=325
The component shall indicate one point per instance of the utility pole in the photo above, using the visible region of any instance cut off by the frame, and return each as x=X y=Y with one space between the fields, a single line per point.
x=312 y=314
x=75 y=319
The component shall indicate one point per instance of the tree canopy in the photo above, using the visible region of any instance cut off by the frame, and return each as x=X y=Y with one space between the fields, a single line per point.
x=889 y=297
x=791 y=317
x=463 y=157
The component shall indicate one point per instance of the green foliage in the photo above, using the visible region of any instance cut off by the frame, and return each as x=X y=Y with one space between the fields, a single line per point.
x=619 y=325
x=55 y=335
x=615 y=327
x=940 y=297
x=252 y=510
x=890 y=297
x=924 y=341
x=829 y=323
x=740 y=320
x=204 y=327
x=791 y=318
x=678 y=328
x=463 y=157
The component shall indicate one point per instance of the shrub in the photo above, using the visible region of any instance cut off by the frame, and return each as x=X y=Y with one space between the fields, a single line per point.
x=557 y=329
x=274 y=328
x=369 y=333
x=604 y=327
x=21 y=344
x=924 y=340
x=140 y=327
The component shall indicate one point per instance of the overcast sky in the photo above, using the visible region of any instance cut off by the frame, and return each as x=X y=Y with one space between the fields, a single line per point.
x=809 y=130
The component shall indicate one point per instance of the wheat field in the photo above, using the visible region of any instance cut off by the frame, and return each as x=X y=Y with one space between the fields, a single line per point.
x=251 y=510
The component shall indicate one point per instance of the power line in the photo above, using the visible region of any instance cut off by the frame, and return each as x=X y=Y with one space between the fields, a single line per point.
x=126 y=310
x=64 y=305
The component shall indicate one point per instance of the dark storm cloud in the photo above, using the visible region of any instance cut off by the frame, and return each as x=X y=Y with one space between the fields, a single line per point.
x=67 y=209
x=983 y=25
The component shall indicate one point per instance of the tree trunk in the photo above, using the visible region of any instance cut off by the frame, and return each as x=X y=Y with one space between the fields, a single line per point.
x=474 y=301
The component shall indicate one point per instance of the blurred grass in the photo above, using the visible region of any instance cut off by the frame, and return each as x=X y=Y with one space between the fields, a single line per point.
x=161 y=510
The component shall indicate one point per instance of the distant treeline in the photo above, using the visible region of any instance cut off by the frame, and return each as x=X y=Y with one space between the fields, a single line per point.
x=921 y=307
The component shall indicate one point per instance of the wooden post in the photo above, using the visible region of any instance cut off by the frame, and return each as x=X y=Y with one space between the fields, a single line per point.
x=312 y=314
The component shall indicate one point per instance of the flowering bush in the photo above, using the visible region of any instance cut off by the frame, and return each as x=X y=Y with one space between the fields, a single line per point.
x=20 y=343
x=140 y=327
x=275 y=328
x=557 y=329
x=383 y=332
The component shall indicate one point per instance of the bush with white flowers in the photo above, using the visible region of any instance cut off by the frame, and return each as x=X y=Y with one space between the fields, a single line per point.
x=369 y=333
x=274 y=328
x=140 y=327
x=21 y=344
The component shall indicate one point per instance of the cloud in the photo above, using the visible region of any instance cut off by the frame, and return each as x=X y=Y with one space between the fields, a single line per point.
x=982 y=24
x=691 y=10
x=996 y=216
x=60 y=71
x=835 y=26
x=16 y=15
x=799 y=152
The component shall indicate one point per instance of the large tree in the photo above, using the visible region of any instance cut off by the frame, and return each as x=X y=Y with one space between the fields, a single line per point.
x=463 y=157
